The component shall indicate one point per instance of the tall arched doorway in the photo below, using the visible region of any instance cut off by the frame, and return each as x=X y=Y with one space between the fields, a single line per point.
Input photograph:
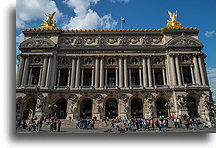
x=86 y=109
x=136 y=108
x=192 y=107
x=161 y=107
x=111 y=108
x=61 y=108
x=29 y=110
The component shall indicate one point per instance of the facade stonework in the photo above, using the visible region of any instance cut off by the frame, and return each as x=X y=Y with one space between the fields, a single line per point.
x=112 y=73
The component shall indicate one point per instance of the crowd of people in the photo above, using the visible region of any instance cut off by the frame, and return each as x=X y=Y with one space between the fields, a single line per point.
x=85 y=123
x=36 y=124
x=162 y=123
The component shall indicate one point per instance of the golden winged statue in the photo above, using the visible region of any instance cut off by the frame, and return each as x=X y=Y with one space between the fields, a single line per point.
x=49 y=23
x=173 y=23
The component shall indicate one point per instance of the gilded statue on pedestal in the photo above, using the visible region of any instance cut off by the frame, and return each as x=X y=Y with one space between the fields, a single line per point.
x=173 y=23
x=49 y=23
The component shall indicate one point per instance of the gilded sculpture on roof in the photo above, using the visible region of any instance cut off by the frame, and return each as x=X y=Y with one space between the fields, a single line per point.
x=173 y=23
x=49 y=23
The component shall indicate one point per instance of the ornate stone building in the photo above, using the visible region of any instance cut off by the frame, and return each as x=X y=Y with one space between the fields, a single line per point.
x=114 y=73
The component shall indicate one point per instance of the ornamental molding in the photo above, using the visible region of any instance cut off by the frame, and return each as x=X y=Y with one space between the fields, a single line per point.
x=184 y=41
x=37 y=43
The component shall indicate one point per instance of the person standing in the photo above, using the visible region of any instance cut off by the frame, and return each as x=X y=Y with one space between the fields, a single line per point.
x=59 y=125
x=54 y=124
x=51 y=125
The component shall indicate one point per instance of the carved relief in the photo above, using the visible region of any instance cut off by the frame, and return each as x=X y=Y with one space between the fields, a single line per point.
x=77 y=41
x=37 y=43
x=73 y=97
x=100 y=41
x=184 y=41
x=182 y=102
x=133 y=40
x=41 y=101
x=208 y=103
x=112 y=40
x=89 y=40
x=122 y=41
x=98 y=97
x=124 y=97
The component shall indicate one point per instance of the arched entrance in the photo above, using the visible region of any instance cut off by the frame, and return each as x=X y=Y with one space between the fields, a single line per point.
x=86 y=109
x=192 y=107
x=111 y=108
x=161 y=107
x=61 y=108
x=29 y=110
x=136 y=108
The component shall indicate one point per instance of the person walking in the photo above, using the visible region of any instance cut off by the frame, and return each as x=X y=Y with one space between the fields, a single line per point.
x=59 y=125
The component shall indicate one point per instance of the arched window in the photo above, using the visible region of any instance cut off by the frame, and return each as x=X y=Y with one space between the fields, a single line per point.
x=86 y=109
x=111 y=108
x=136 y=108
x=162 y=110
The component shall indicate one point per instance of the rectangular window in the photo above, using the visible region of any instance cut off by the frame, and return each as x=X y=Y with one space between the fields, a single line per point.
x=35 y=76
x=158 y=74
x=111 y=77
x=187 y=74
x=135 y=76
x=63 y=77
x=87 y=77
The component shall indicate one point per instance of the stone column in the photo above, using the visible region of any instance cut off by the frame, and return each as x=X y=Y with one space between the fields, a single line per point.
x=77 y=80
x=92 y=77
x=106 y=76
x=82 y=76
x=129 y=69
x=58 y=79
x=192 y=74
x=30 y=76
x=101 y=73
x=145 y=79
x=201 y=67
x=153 y=73
x=69 y=72
x=40 y=76
x=116 y=76
x=120 y=73
x=173 y=72
x=149 y=71
x=125 y=73
x=164 y=76
x=20 y=71
x=73 y=72
x=140 y=76
x=44 y=71
x=196 y=70
x=178 y=71
x=96 y=72
x=25 y=71
x=48 y=72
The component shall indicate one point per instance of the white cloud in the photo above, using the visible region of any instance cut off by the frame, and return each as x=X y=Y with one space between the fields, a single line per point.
x=211 y=72
x=124 y=1
x=209 y=33
x=20 y=38
x=86 y=18
x=28 y=10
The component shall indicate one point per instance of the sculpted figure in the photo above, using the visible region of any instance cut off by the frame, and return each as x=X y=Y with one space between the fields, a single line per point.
x=49 y=23
x=173 y=23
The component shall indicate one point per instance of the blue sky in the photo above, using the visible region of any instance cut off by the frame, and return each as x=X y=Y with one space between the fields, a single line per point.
x=139 y=14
